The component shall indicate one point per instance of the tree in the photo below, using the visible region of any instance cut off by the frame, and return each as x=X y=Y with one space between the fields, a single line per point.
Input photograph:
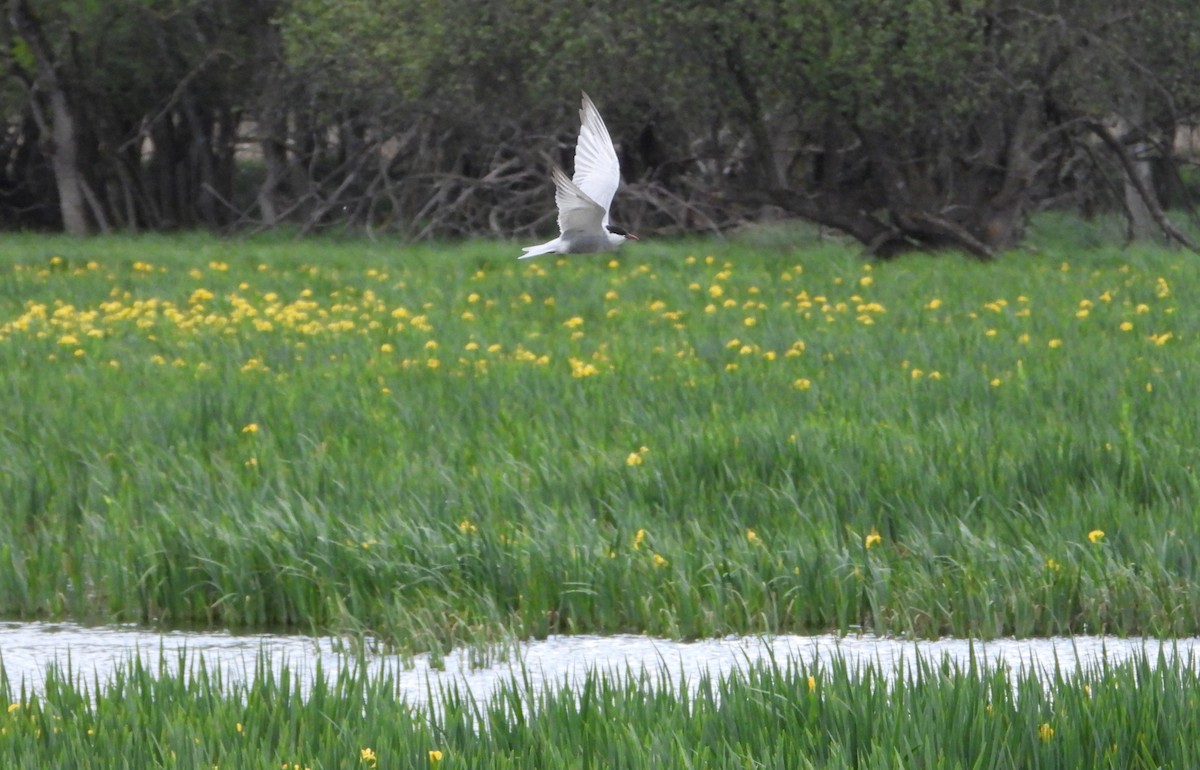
x=59 y=121
x=134 y=105
x=909 y=124
x=926 y=123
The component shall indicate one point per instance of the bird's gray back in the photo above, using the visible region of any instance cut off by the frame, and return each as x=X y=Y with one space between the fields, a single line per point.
x=587 y=242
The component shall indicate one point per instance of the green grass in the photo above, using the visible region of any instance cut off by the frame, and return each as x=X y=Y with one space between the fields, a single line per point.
x=445 y=445
x=935 y=714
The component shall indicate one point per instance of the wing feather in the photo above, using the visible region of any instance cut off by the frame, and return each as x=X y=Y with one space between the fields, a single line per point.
x=576 y=209
x=597 y=170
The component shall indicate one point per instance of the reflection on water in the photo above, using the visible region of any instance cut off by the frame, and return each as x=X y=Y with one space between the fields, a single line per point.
x=27 y=649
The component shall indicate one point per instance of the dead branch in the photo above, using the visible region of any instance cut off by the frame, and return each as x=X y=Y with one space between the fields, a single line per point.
x=1118 y=148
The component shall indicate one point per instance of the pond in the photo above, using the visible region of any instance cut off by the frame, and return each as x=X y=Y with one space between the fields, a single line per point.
x=27 y=650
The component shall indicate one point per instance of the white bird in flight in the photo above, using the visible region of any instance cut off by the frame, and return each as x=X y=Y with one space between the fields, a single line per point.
x=583 y=202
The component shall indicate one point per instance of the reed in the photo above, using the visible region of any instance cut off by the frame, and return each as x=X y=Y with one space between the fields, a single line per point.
x=441 y=445
x=830 y=714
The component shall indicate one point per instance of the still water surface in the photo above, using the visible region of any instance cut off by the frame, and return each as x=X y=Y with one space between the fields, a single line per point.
x=28 y=649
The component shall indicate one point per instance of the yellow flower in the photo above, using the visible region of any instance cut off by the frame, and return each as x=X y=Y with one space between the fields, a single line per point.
x=753 y=538
x=435 y=756
x=1055 y=343
x=1045 y=732
x=465 y=526
x=638 y=539
x=1096 y=535
x=659 y=561
x=812 y=683
x=250 y=428
x=802 y=384
x=239 y=726
x=1126 y=326
x=368 y=755
x=633 y=459
x=1053 y=566
x=581 y=369
x=872 y=539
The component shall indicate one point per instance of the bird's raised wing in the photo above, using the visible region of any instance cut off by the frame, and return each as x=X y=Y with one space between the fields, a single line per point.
x=597 y=171
x=576 y=209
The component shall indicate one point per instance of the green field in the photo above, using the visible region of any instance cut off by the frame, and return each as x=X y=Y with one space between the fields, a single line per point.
x=444 y=445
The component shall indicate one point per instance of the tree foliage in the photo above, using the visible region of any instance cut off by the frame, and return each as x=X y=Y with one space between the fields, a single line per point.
x=910 y=124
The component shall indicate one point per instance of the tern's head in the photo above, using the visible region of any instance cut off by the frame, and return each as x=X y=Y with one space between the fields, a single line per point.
x=620 y=234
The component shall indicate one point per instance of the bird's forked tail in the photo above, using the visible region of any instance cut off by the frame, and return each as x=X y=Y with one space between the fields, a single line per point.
x=548 y=247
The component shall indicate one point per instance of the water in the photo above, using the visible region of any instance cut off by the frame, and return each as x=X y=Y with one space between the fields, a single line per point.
x=28 y=649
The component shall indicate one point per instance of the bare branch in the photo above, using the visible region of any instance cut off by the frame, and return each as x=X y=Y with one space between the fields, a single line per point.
x=1118 y=148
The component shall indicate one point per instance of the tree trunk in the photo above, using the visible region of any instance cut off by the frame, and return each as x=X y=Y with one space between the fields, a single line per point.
x=64 y=138
x=1144 y=192
x=1141 y=221
x=66 y=170
x=1139 y=177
